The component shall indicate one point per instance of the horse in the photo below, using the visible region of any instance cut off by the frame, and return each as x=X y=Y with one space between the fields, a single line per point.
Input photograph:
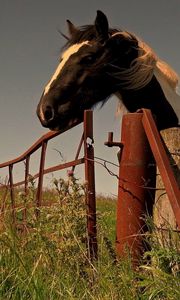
x=97 y=62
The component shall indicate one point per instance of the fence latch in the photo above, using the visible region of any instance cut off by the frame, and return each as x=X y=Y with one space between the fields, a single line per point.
x=111 y=143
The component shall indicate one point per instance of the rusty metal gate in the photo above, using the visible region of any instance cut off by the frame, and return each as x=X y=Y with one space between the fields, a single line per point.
x=141 y=146
x=87 y=160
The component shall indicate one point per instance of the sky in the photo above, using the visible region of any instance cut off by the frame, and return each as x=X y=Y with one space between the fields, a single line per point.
x=29 y=52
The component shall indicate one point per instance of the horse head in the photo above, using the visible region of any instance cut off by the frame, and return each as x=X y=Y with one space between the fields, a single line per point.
x=83 y=77
x=97 y=62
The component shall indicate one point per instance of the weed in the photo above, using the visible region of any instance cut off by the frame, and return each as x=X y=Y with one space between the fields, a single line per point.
x=50 y=260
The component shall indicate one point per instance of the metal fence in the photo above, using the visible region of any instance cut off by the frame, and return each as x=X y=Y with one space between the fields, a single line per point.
x=141 y=147
x=88 y=161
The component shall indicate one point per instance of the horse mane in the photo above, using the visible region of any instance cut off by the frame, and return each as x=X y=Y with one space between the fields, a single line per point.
x=141 y=69
x=171 y=76
x=168 y=73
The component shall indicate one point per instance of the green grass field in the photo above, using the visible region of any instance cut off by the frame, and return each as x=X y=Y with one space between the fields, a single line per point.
x=50 y=259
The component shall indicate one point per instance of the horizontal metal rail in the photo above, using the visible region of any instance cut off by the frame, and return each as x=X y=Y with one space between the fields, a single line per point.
x=59 y=167
x=44 y=138
x=89 y=177
x=25 y=157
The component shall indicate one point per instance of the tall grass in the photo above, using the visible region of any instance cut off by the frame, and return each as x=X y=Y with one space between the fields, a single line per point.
x=50 y=260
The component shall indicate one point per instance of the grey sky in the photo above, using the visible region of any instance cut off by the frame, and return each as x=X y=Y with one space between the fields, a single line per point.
x=29 y=51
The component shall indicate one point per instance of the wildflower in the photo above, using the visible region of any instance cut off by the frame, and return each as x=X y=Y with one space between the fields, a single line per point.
x=70 y=173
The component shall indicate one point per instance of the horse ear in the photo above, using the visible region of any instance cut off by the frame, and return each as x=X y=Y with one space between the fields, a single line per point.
x=71 y=28
x=102 y=26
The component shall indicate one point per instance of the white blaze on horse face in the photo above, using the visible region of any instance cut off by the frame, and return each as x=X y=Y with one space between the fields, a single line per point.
x=66 y=55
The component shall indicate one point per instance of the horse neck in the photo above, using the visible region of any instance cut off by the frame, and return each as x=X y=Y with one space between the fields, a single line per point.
x=158 y=96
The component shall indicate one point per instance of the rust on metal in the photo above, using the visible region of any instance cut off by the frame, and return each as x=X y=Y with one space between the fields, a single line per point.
x=136 y=184
x=163 y=163
x=40 y=182
x=26 y=175
x=44 y=138
x=26 y=187
x=78 y=151
x=90 y=181
x=137 y=170
x=111 y=143
x=12 y=196
x=4 y=198
x=88 y=160
x=50 y=170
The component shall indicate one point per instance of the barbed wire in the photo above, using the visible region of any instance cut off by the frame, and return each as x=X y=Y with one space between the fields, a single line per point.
x=176 y=153
x=104 y=164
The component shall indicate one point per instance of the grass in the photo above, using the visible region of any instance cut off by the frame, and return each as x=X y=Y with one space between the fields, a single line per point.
x=50 y=260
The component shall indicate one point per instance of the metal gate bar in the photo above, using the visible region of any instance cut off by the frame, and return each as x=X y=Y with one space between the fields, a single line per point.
x=88 y=160
x=90 y=180
x=163 y=163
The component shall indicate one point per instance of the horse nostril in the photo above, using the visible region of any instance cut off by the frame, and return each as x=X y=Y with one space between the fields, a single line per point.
x=49 y=113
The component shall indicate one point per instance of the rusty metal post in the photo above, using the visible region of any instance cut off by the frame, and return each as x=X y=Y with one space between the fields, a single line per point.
x=26 y=175
x=78 y=150
x=135 y=200
x=12 y=196
x=26 y=187
x=40 y=182
x=4 y=197
x=90 y=180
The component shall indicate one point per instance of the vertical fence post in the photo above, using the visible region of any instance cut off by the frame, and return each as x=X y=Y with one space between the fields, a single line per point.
x=78 y=150
x=40 y=182
x=137 y=176
x=26 y=175
x=90 y=180
x=26 y=187
x=12 y=194
x=4 y=197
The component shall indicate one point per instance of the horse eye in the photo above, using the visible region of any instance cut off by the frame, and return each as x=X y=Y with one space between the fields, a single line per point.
x=87 y=59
